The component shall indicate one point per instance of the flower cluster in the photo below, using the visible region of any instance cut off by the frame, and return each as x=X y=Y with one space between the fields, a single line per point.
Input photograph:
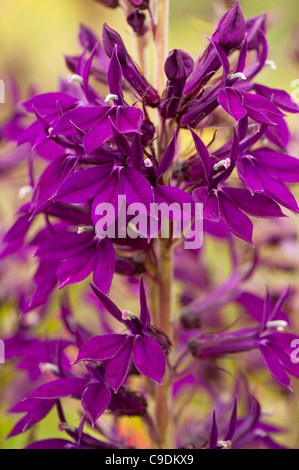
x=86 y=147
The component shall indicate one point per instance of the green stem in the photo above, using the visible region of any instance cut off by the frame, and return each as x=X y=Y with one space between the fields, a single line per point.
x=164 y=249
x=161 y=41
x=163 y=397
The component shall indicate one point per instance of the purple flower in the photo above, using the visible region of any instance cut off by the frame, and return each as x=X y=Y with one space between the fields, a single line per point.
x=120 y=349
x=134 y=79
x=274 y=346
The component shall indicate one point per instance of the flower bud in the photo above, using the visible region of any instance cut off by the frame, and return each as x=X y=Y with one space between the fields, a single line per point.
x=141 y=4
x=136 y=20
x=108 y=3
x=231 y=29
x=156 y=333
x=126 y=402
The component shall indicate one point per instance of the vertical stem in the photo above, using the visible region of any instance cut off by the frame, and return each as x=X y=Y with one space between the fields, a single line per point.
x=140 y=43
x=161 y=41
x=165 y=275
x=165 y=286
x=163 y=404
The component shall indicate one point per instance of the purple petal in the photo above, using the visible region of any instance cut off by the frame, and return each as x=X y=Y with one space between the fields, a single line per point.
x=60 y=388
x=247 y=173
x=136 y=187
x=238 y=222
x=85 y=118
x=144 y=312
x=279 y=165
x=272 y=362
x=64 y=245
x=203 y=154
x=279 y=97
x=213 y=434
x=114 y=77
x=36 y=414
x=77 y=268
x=95 y=401
x=47 y=104
x=100 y=348
x=104 y=265
x=149 y=358
x=84 y=185
x=232 y=423
x=168 y=156
x=49 y=444
x=231 y=101
x=118 y=368
x=256 y=205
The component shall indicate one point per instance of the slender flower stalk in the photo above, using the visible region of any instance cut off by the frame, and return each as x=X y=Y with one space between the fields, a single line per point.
x=161 y=41
x=121 y=154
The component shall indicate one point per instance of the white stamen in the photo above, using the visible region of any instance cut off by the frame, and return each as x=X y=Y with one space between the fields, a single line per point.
x=85 y=228
x=238 y=75
x=260 y=433
x=268 y=412
x=126 y=315
x=224 y=444
x=25 y=191
x=31 y=318
x=280 y=325
x=223 y=163
x=74 y=78
x=148 y=163
x=111 y=97
x=271 y=64
x=47 y=367
x=254 y=127
x=66 y=427
x=50 y=130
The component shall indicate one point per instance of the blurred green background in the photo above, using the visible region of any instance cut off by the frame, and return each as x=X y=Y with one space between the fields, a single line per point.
x=35 y=35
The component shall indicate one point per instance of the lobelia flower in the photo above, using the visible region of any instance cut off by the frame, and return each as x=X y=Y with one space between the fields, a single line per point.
x=230 y=204
x=98 y=148
x=226 y=442
x=252 y=430
x=245 y=432
x=178 y=67
x=136 y=20
x=274 y=346
x=90 y=388
x=135 y=81
x=109 y=3
x=79 y=254
x=228 y=35
x=120 y=349
x=89 y=41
